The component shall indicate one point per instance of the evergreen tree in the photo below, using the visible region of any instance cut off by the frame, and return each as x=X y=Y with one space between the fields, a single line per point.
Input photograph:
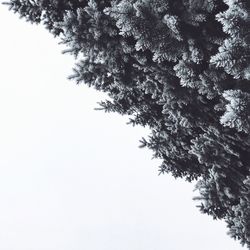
x=180 y=67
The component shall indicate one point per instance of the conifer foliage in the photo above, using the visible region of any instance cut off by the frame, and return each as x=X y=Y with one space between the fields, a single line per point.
x=180 y=67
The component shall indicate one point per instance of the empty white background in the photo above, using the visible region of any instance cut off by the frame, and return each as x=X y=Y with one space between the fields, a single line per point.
x=72 y=178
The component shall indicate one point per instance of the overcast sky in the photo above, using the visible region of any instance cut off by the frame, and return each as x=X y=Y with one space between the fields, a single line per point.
x=72 y=178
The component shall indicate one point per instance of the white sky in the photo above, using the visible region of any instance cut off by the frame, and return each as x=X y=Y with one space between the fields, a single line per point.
x=72 y=178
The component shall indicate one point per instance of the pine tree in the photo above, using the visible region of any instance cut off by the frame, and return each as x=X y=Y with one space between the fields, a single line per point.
x=180 y=67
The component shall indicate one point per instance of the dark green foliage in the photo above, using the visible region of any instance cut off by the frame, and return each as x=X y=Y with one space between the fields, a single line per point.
x=180 y=67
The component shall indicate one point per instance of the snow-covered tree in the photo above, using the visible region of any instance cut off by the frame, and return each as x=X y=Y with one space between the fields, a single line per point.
x=180 y=67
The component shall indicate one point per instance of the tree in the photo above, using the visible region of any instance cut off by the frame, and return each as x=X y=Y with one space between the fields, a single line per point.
x=180 y=67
